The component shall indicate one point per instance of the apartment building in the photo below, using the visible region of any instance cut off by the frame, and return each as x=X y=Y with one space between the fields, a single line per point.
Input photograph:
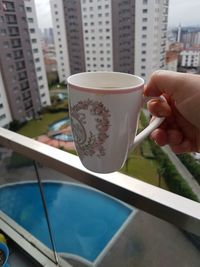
x=114 y=35
x=5 y=115
x=190 y=58
x=151 y=17
x=37 y=52
x=171 y=60
x=20 y=76
x=188 y=36
x=61 y=38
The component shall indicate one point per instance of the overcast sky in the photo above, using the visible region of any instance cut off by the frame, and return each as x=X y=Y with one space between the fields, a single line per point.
x=186 y=12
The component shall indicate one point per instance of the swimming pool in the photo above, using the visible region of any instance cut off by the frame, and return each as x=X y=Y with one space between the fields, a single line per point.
x=55 y=126
x=83 y=220
x=64 y=137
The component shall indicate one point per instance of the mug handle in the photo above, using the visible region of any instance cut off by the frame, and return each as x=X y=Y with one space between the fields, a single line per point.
x=150 y=128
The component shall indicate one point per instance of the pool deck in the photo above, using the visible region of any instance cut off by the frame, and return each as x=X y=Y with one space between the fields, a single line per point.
x=49 y=140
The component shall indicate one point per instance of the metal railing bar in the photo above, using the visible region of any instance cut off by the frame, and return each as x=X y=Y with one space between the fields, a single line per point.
x=46 y=213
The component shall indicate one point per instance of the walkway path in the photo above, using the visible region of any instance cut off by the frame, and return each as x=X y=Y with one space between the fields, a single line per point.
x=183 y=171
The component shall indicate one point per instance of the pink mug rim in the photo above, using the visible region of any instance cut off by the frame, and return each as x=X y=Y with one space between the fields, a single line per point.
x=99 y=90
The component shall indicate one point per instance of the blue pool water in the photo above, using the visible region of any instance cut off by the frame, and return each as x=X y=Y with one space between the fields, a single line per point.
x=55 y=126
x=62 y=96
x=83 y=220
x=64 y=137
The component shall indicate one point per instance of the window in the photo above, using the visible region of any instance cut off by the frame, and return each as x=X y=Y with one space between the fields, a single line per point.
x=9 y=6
x=16 y=43
x=8 y=56
x=28 y=9
x=3 y=31
x=3 y=116
x=34 y=41
x=11 y=19
x=30 y=20
x=32 y=30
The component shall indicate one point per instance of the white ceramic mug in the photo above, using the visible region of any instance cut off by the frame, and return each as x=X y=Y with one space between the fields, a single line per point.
x=104 y=110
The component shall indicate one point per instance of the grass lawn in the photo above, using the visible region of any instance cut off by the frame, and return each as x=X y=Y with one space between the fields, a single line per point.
x=137 y=166
x=143 y=169
x=37 y=127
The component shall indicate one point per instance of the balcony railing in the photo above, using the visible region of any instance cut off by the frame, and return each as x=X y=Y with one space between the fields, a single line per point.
x=151 y=207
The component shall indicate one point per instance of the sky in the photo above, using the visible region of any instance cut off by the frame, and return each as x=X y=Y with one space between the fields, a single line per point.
x=43 y=13
x=184 y=12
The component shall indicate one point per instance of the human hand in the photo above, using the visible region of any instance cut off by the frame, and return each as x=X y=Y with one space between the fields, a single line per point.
x=181 y=128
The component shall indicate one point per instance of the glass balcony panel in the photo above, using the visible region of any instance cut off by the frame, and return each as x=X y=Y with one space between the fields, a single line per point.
x=21 y=205
x=92 y=228
x=95 y=228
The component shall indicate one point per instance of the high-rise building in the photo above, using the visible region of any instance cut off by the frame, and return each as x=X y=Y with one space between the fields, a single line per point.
x=116 y=35
x=48 y=36
x=5 y=115
x=23 y=82
x=188 y=36
x=37 y=52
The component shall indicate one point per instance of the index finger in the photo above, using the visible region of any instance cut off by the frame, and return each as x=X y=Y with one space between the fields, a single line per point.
x=167 y=82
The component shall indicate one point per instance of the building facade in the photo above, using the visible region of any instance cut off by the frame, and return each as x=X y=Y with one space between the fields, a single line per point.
x=19 y=79
x=188 y=36
x=37 y=52
x=171 y=60
x=5 y=114
x=190 y=58
x=60 y=38
x=114 y=35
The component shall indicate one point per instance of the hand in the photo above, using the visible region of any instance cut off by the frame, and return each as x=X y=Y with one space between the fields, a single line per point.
x=181 y=128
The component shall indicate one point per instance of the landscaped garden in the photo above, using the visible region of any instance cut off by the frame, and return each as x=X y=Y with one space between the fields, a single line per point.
x=38 y=127
x=147 y=162
x=140 y=162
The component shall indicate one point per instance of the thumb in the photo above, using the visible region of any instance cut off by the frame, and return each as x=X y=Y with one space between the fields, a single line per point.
x=183 y=88
x=174 y=84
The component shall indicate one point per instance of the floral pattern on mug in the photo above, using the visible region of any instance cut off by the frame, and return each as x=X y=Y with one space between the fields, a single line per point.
x=93 y=143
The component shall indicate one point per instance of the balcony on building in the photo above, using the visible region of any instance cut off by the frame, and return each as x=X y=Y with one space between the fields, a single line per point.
x=54 y=212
